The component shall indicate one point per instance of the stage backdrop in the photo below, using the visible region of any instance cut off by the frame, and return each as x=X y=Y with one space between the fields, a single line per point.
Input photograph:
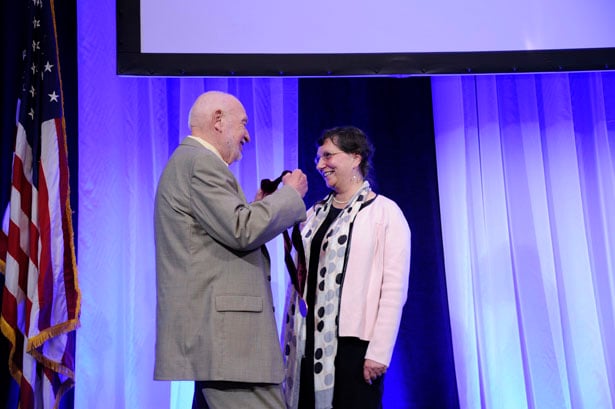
x=128 y=127
x=526 y=172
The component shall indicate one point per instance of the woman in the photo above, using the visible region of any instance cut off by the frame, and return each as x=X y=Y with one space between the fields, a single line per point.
x=340 y=333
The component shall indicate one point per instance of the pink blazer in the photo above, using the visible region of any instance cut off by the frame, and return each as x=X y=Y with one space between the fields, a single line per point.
x=376 y=282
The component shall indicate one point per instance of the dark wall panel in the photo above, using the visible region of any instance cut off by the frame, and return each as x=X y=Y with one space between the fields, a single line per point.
x=396 y=113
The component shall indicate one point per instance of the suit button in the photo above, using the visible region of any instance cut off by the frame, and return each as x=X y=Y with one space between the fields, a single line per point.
x=269 y=278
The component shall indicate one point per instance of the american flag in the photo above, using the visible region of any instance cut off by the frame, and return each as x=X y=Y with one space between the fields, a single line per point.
x=41 y=297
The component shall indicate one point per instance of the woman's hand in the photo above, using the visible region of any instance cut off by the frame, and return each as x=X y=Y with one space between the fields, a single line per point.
x=372 y=370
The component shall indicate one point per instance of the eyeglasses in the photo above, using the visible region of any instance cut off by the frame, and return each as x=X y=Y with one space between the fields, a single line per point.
x=325 y=156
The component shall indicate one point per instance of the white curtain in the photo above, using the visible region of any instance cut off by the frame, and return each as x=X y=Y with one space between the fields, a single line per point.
x=127 y=129
x=526 y=174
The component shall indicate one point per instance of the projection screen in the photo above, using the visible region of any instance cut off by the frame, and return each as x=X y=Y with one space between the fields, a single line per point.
x=343 y=37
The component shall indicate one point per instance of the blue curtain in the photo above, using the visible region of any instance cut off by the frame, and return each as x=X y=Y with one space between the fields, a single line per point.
x=526 y=174
x=127 y=129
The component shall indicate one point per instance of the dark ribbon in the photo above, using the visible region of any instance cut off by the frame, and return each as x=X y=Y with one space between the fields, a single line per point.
x=297 y=273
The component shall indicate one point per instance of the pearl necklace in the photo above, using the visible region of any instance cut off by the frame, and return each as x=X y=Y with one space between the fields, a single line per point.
x=342 y=201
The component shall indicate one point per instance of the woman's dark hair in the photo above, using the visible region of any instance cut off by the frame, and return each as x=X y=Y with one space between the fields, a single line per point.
x=350 y=139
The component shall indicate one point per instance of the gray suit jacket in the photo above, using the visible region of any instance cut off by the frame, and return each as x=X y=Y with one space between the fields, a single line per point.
x=215 y=317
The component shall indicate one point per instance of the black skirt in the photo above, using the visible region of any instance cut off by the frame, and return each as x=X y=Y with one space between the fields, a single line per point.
x=350 y=389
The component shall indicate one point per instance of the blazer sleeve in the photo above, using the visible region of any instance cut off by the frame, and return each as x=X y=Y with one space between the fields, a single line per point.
x=222 y=210
x=394 y=287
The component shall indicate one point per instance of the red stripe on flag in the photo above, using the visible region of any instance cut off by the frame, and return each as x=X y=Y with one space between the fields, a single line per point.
x=9 y=310
x=26 y=395
x=16 y=252
x=3 y=247
x=46 y=292
x=23 y=186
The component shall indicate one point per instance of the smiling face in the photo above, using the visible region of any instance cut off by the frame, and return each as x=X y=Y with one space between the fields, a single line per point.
x=336 y=166
x=220 y=119
x=232 y=124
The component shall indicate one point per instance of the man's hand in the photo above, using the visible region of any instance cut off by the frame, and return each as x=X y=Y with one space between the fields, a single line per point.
x=297 y=180
x=259 y=195
x=372 y=370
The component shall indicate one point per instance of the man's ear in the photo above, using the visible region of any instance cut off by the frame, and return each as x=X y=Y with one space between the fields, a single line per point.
x=217 y=119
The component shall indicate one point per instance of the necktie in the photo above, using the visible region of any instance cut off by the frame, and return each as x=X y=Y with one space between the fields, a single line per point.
x=297 y=272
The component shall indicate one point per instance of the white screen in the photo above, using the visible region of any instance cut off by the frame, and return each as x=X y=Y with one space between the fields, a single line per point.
x=383 y=26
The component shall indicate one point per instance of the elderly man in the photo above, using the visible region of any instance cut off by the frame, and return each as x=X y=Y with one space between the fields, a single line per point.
x=215 y=321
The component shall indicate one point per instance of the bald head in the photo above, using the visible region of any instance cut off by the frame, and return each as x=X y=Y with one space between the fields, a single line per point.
x=204 y=109
x=220 y=119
